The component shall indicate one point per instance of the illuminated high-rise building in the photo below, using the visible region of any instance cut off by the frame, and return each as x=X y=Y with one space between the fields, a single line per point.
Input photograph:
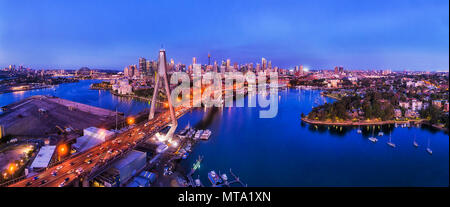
x=126 y=72
x=263 y=63
x=142 y=66
x=194 y=60
x=209 y=59
x=215 y=67
x=149 y=68
x=133 y=71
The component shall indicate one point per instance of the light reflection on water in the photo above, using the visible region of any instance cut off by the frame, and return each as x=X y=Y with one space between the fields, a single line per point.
x=283 y=151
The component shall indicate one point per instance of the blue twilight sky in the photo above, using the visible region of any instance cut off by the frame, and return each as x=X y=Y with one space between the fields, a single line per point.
x=357 y=34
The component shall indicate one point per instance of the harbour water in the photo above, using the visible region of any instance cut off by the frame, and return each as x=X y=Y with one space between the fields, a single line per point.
x=284 y=152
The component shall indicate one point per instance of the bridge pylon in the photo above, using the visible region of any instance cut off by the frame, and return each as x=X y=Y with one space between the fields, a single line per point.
x=162 y=76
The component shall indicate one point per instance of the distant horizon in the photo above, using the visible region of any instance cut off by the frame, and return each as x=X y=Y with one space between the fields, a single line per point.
x=291 y=68
x=396 y=35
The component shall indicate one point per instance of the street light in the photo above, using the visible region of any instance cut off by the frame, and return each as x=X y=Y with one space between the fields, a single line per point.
x=62 y=150
x=11 y=168
x=130 y=120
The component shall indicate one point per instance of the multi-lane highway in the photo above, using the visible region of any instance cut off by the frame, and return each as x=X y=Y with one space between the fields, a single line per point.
x=86 y=163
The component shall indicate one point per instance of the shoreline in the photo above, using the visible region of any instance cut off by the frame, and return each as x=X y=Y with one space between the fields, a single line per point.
x=120 y=95
x=377 y=123
x=28 y=89
x=359 y=123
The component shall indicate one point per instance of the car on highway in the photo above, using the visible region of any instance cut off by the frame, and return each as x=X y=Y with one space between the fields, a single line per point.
x=36 y=177
x=54 y=173
x=88 y=161
x=28 y=183
x=43 y=182
x=79 y=170
x=59 y=167
x=70 y=171
x=72 y=163
x=62 y=184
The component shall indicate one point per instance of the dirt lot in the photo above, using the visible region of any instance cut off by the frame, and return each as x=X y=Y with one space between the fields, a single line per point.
x=38 y=116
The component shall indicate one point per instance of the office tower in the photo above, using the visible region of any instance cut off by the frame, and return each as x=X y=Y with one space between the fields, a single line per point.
x=133 y=71
x=228 y=64
x=149 y=68
x=336 y=69
x=126 y=72
x=258 y=67
x=209 y=59
x=263 y=63
x=215 y=66
x=301 y=69
x=194 y=60
x=269 y=65
x=142 y=66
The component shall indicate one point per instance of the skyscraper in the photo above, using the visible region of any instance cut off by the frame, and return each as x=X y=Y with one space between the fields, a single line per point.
x=133 y=71
x=126 y=72
x=209 y=59
x=142 y=66
x=215 y=66
x=194 y=60
x=149 y=68
x=263 y=63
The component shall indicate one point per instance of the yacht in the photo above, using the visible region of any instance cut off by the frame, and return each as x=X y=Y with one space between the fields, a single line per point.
x=359 y=130
x=415 y=143
x=390 y=143
x=197 y=182
x=380 y=134
x=373 y=138
x=428 y=147
x=214 y=178
x=198 y=134
x=224 y=177
x=206 y=134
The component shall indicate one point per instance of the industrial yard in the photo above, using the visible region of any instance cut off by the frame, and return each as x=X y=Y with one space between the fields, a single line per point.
x=41 y=116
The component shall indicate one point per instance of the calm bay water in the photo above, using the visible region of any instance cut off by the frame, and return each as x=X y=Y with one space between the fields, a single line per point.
x=80 y=92
x=284 y=152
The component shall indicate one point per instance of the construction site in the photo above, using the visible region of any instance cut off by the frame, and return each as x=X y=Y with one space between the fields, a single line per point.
x=42 y=116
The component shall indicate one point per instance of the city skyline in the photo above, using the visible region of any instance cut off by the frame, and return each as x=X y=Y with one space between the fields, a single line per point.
x=405 y=35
